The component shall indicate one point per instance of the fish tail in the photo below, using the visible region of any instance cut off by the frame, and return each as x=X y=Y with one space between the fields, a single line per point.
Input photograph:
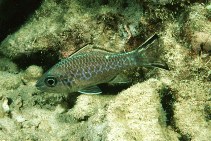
x=146 y=54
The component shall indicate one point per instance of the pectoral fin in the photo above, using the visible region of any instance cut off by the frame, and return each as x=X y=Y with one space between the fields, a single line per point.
x=91 y=90
x=89 y=48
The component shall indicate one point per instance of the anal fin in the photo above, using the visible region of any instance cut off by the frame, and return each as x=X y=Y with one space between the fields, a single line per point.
x=91 y=90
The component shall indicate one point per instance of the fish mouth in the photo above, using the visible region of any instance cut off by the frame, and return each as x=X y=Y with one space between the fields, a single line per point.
x=39 y=85
x=41 y=88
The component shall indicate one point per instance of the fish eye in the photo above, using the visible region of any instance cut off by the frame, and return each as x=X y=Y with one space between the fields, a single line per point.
x=51 y=81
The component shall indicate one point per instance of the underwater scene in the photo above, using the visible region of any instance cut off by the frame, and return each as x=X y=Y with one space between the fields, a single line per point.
x=105 y=70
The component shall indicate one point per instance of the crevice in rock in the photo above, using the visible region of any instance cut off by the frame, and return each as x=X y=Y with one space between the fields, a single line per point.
x=45 y=59
x=13 y=14
x=106 y=90
x=71 y=100
x=167 y=101
x=113 y=89
x=184 y=138
x=207 y=110
x=85 y=118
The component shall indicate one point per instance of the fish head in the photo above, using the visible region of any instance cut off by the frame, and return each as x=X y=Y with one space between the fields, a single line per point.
x=53 y=82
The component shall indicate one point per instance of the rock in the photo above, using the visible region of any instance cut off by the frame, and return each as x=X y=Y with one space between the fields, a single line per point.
x=31 y=74
x=197 y=28
x=62 y=28
x=9 y=81
x=208 y=7
x=137 y=114
x=2 y=112
x=7 y=65
x=201 y=41
x=190 y=116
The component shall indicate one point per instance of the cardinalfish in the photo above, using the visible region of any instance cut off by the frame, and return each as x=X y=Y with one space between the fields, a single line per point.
x=82 y=72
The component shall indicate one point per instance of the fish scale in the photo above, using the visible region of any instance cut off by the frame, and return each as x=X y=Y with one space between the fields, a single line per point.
x=119 y=62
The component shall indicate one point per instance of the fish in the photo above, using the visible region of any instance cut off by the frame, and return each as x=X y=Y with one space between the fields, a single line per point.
x=82 y=72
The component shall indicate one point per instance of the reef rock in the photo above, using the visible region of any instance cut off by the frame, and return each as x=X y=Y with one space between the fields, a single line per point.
x=137 y=114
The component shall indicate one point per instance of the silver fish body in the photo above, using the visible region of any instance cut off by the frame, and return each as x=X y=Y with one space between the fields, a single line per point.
x=84 y=70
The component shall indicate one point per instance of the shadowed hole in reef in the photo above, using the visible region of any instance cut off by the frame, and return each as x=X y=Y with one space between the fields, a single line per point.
x=180 y=7
x=184 y=138
x=45 y=59
x=106 y=90
x=167 y=101
x=14 y=13
x=207 y=111
x=71 y=99
x=85 y=118
x=48 y=101
x=113 y=89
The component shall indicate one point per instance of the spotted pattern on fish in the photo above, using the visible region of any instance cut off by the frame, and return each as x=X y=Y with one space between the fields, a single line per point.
x=83 y=70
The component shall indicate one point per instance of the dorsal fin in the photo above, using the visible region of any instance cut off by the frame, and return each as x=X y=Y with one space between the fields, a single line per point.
x=91 y=49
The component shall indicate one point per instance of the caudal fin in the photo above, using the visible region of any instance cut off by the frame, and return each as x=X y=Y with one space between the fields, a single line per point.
x=148 y=55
